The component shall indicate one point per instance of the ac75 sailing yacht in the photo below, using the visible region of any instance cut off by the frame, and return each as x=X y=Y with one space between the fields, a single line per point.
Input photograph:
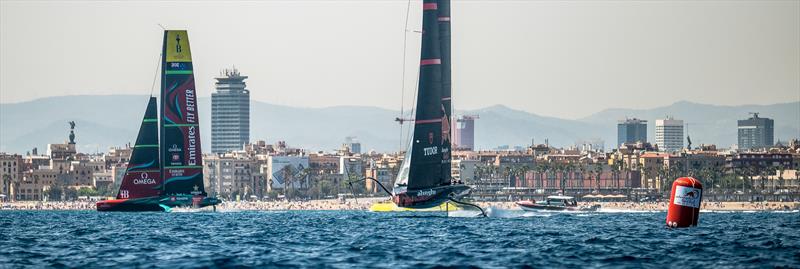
x=167 y=172
x=424 y=179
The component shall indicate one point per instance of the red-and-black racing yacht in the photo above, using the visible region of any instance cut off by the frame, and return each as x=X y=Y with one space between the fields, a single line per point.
x=167 y=172
x=424 y=179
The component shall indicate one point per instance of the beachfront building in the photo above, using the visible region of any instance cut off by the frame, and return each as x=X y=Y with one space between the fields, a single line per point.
x=384 y=169
x=286 y=172
x=230 y=112
x=466 y=170
x=351 y=167
x=232 y=176
x=10 y=173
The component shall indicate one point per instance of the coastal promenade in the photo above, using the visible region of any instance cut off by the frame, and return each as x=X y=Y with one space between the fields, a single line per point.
x=365 y=203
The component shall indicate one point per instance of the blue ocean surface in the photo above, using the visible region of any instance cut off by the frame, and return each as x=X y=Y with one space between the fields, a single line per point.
x=357 y=239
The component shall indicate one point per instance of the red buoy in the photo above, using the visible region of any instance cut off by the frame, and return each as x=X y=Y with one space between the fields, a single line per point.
x=684 y=202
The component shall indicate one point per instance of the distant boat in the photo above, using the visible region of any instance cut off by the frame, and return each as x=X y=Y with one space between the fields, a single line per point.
x=167 y=172
x=424 y=179
x=555 y=203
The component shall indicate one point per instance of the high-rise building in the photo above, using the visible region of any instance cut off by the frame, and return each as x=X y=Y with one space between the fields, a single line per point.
x=464 y=132
x=669 y=134
x=230 y=112
x=351 y=143
x=631 y=131
x=756 y=132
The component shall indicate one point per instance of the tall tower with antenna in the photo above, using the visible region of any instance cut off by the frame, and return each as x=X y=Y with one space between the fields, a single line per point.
x=230 y=112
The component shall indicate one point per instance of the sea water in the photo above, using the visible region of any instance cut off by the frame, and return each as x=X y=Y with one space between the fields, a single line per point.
x=358 y=239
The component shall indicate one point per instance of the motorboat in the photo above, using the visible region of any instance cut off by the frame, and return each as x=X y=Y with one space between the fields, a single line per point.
x=555 y=203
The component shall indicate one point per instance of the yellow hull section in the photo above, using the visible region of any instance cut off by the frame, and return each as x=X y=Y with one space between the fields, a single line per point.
x=388 y=206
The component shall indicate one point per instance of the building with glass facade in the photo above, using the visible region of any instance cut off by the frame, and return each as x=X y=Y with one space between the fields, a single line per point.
x=631 y=131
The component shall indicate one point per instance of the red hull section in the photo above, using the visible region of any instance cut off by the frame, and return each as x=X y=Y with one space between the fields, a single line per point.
x=131 y=205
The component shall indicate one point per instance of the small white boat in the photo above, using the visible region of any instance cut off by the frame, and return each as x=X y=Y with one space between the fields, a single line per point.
x=555 y=203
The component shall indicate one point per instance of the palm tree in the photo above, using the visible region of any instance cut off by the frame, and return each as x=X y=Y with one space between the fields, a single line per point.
x=598 y=170
x=536 y=170
x=286 y=172
x=779 y=169
x=580 y=176
x=524 y=172
x=509 y=173
x=541 y=170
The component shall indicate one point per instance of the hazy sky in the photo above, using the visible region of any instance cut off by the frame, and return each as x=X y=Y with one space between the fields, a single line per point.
x=557 y=58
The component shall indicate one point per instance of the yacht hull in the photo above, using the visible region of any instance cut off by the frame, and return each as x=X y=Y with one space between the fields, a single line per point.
x=157 y=203
x=427 y=198
x=131 y=205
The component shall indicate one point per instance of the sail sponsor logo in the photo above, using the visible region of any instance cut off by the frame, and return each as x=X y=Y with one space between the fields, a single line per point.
x=430 y=151
x=445 y=126
x=174 y=148
x=192 y=137
x=175 y=173
x=196 y=191
x=177 y=48
x=426 y=193
x=191 y=116
x=175 y=154
x=144 y=180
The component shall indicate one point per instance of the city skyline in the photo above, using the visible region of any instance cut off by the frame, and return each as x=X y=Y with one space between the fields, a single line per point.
x=36 y=123
x=293 y=133
x=594 y=56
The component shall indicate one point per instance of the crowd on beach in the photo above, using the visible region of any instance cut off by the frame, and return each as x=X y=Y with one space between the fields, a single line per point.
x=364 y=204
x=36 y=205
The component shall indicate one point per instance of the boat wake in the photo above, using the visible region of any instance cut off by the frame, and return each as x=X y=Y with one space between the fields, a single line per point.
x=495 y=212
x=198 y=210
x=619 y=210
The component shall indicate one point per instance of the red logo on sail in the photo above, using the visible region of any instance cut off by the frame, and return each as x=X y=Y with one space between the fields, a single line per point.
x=445 y=126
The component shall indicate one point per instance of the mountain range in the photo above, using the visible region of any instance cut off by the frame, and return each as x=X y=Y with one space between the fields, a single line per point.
x=113 y=120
